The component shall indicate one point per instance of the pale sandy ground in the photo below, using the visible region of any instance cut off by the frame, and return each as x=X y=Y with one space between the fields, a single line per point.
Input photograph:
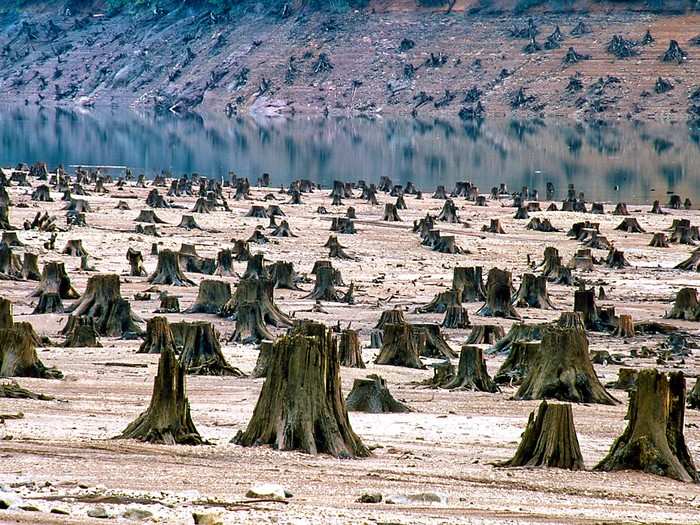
x=61 y=456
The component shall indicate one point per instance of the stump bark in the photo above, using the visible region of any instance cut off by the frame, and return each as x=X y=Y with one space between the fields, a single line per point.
x=301 y=406
x=168 y=270
x=390 y=213
x=653 y=441
x=518 y=363
x=261 y=292
x=456 y=316
x=549 y=440
x=80 y=333
x=471 y=372
x=349 y=349
x=625 y=326
x=686 y=305
x=283 y=275
x=18 y=357
x=393 y=316
x=533 y=292
x=211 y=297
x=135 y=259
x=74 y=248
x=371 y=395
x=468 y=281
x=399 y=347
x=659 y=240
x=499 y=285
x=485 y=334
x=201 y=350
x=167 y=419
x=159 y=337
x=54 y=279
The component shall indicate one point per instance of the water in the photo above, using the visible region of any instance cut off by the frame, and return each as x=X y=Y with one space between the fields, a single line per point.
x=632 y=163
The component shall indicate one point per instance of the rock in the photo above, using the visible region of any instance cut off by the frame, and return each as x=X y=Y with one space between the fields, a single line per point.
x=268 y=491
x=207 y=518
x=8 y=499
x=422 y=497
x=30 y=508
x=136 y=514
x=370 y=497
x=61 y=512
x=98 y=512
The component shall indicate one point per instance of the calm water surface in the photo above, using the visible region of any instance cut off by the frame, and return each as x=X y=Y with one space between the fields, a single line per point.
x=634 y=163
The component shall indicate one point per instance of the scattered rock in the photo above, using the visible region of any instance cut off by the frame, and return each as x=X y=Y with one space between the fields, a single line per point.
x=268 y=491
x=370 y=497
x=98 y=512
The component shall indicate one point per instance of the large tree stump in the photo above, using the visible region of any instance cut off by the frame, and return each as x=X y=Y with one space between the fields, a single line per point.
x=262 y=365
x=158 y=337
x=456 y=316
x=18 y=357
x=30 y=267
x=449 y=212
x=349 y=349
x=390 y=213
x=393 y=316
x=659 y=240
x=324 y=288
x=653 y=441
x=283 y=275
x=301 y=406
x=49 y=303
x=441 y=302
x=499 y=285
x=168 y=270
x=692 y=263
x=54 y=279
x=518 y=363
x=518 y=332
x=485 y=334
x=584 y=303
x=167 y=419
x=686 y=305
x=471 y=372
x=371 y=395
x=430 y=341
x=211 y=297
x=74 y=248
x=562 y=370
x=103 y=302
x=224 y=263
x=201 y=350
x=399 y=347
x=169 y=304
x=255 y=268
x=250 y=326
x=135 y=259
x=259 y=292
x=625 y=326
x=532 y=292
x=630 y=225
x=80 y=333
x=469 y=283
x=549 y=440
x=147 y=216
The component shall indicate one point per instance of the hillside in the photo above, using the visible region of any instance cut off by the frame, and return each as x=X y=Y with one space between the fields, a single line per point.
x=391 y=57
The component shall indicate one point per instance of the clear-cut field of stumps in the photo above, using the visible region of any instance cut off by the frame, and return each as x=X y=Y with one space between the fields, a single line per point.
x=383 y=352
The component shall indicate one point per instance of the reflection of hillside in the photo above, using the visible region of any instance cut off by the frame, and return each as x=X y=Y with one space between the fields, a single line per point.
x=643 y=161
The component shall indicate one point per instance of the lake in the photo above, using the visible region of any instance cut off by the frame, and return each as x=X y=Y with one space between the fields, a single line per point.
x=627 y=162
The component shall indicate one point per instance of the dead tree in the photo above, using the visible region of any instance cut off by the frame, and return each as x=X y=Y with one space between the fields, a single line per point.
x=686 y=305
x=532 y=292
x=5 y=218
x=211 y=297
x=562 y=370
x=74 y=248
x=201 y=350
x=18 y=357
x=371 y=395
x=399 y=347
x=168 y=270
x=390 y=213
x=167 y=419
x=659 y=240
x=468 y=281
x=54 y=279
x=42 y=193
x=494 y=227
x=471 y=372
x=518 y=362
x=456 y=316
x=80 y=333
x=653 y=441
x=630 y=225
x=498 y=295
x=301 y=405
x=135 y=259
x=10 y=264
x=262 y=365
x=486 y=334
x=549 y=440
x=393 y=316
x=103 y=302
x=349 y=350
x=584 y=303
x=343 y=225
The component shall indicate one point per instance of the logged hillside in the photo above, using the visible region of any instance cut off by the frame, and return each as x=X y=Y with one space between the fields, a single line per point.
x=587 y=60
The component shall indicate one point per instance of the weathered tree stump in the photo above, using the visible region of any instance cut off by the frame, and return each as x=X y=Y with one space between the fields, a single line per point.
x=494 y=227
x=167 y=419
x=224 y=263
x=149 y=217
x=456 y=316
x=626 y=379
x=390 y=213
x=532 y=292
x=301 y=405
x=616 y=259
x=324 y=288
x=584 y=302
x=30 y=267
x=18 y=357
x=260 y=292
x=335 y=249
x=485 y=334
x=103 y=302
x=42 y=193
x=49 y=303
x=250 y=325
x=469 y=283
x=283 y=230
x=692 y=263
x=441 y=302
x=168 y=270
x=135 y=259
x=399 y=347
x=159 y=337
x=349 y=350
x=54 y=279
x=625 y=326
x=255 y=269
x=562 y=370
x=393 y=316
x=11 y=239
x=653 y=441
x=430 y=341
x=499 y=285
x=262 y=365
x=471 y=372
x=80 y=333
x=518 y=363
x=449 y=212
x=283 y=275
x=211 y=297
x=686 y=305
x=201 y=350
x=74 y=248
x=694 y=396
x=549 y=440
x=518 y=332
x=621 y=209
x=169 y=304
x=630 y=225
x=656 y=209
x=187 y=222
x=371 y=395
x=659 y=240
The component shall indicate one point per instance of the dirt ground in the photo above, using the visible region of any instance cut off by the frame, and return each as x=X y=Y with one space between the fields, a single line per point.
x=61 y=455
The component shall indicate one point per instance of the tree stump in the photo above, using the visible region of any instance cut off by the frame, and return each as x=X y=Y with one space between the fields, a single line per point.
x=169 y=304
x=499 y=286
x=201 y=350
x=18 y=357
x=694 y=396
x=148 y=217
x=621 y=209
x=260 y=292
x=616 y=259
x=372 y=396
x=187 y=222
x=485 y=334
x=456 y=316
x=74 y=248
x=54 y=279
x=283 y=230
x=335 y=249
x=301 y=406
x=324 y=288
x=468 y=281
x=80 y=333
x=283 y=275
x=549 y=440
x=494 y=227
x=349 y=349
x=532 y=292
x=11 y=239
x=686 y=305
x=250 y=326
x=659 y=240
x=518 y=332
x=168 y=270
x=393 y=316
x=399 y=347
x=211 y=297
x=626 y=379
x=262 y=365
x=10 y=264
x=518 y=363
x=224 y=263
x=630 y=225
x=471 y=372
x=562 y=370
x=258 y=212
x=441 y=302
x=390 y=213
x=255 y=269
x=135 y=259
x=167 y=419
x=103 y=302
x=49 y=303
x=625 y=326
x=692 y=263
x=449 y=212
x=584 y=303
x=30 y=267
x=653 y=441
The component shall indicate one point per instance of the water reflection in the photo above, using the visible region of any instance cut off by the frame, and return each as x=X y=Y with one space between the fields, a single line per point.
x=629 y=162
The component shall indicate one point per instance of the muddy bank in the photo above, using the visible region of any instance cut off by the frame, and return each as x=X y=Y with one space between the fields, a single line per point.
x=389 y=58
